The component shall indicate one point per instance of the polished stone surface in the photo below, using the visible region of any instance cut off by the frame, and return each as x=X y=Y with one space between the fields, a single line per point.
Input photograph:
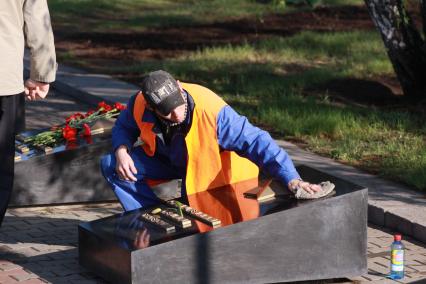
x=67 y=174
x=279 y=240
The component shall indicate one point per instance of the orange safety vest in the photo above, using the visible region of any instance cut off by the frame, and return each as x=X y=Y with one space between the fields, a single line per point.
x=207 y=167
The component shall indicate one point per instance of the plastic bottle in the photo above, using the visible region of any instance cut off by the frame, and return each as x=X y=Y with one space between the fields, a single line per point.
x=397 y=259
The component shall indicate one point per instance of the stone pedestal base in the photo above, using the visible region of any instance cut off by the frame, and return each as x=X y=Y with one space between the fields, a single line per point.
x=62 y=175
x=290 y=241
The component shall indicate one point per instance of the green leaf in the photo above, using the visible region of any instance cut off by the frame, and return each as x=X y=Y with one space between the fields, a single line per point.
x=179 y=205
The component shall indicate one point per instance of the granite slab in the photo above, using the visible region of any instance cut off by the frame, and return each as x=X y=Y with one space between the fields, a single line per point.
x=279 y=240
x=61 y=174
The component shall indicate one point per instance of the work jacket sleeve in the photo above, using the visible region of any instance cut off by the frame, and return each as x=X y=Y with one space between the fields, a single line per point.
x=236 y=133
x=39 y=39
x=125 y=130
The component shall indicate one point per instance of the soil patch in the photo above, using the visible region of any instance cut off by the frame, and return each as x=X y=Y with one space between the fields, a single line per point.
x=169 y=41
x=120 y=48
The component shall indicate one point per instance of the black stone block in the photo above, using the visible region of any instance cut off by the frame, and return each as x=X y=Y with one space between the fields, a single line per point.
x=289 y=241
x=65 y=174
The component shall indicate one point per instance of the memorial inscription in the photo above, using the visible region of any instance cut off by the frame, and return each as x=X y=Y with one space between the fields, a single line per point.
x=158 y=222
x=194 y=213
x=175 y=218
x=21 y=148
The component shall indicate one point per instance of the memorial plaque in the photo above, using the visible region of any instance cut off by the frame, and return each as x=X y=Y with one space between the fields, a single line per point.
x=18 y=157
x=21 y=147
x=175 y=218
x=157 y=222
x=279 y=240
x=194 y=213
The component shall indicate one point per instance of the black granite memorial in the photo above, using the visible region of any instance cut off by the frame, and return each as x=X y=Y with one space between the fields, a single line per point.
x=60 y=174
x=279 y=239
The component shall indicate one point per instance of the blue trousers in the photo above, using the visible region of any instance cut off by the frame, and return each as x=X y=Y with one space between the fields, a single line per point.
x=133 y=195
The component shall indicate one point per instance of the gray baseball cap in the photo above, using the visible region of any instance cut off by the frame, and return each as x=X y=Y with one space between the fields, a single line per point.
x=161 y=91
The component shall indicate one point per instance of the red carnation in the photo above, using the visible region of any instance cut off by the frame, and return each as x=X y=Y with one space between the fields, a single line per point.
x=68 y=119
x=104 y=107
x=86 y=130
x=101 y=104
x=90 y=112
x=75 y=116
x=69 y=133
x=78 y=115
x=119 y=106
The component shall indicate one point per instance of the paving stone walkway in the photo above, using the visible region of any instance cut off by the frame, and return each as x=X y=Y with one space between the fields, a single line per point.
x=52 y=110
x=39 y=245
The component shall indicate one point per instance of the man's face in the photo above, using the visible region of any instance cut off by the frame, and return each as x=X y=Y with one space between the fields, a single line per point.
x=177 y=115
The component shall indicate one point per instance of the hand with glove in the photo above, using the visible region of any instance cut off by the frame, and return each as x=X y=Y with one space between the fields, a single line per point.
x=306 y=190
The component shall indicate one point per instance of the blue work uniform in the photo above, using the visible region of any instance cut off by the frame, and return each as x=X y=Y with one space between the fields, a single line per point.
x=234 y=133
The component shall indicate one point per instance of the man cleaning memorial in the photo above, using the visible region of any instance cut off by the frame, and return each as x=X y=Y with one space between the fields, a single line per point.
x=173 y=130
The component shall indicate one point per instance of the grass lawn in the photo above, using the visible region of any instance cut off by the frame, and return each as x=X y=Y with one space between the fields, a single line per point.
x=137 y=15
x=281 y=83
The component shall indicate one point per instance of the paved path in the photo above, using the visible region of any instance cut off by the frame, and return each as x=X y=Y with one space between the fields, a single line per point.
x=39 y=245
x=52 y=110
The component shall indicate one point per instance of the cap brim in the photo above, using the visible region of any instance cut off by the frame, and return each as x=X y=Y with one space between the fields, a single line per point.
x=169 y=104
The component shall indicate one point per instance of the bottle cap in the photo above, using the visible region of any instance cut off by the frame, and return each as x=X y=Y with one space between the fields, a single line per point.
x=397 y=238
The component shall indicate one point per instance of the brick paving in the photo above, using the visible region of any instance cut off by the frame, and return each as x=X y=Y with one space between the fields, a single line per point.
x=378 y=246
x=39 y=245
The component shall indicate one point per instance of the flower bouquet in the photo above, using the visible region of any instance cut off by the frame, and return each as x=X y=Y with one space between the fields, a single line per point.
x=76 y=125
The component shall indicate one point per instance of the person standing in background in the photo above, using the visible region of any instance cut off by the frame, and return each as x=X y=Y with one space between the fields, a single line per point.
x=22 y=22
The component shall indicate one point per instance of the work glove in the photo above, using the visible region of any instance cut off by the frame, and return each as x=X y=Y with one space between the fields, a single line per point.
x=327 y=188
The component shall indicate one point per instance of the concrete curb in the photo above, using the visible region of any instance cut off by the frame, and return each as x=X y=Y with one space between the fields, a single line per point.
x=391 y=204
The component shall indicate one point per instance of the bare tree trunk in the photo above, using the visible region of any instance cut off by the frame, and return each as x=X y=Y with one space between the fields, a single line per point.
x=423 y=12
x=406 y=48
